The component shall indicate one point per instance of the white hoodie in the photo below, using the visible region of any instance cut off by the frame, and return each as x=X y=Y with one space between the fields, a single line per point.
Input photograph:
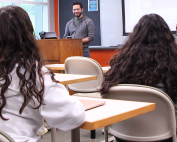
x=61 y=111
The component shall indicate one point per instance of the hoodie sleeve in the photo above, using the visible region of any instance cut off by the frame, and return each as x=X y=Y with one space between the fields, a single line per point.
x=66 y=31
x=61 y=111
x=91 y=30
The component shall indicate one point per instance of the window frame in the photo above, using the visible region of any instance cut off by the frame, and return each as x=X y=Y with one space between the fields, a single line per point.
x=18 y=2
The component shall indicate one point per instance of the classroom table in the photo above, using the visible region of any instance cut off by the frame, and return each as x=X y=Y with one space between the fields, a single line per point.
x=73 y=78
x=56 y=66
x=62 y=67
x=102 y=116
x=111 y=112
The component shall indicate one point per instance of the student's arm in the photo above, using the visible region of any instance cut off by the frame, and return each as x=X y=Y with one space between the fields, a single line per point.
x=61 y=110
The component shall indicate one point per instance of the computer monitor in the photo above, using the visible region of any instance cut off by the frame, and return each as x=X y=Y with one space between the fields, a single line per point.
x=48 y=35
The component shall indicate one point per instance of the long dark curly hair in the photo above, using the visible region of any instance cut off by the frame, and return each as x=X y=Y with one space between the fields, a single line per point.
x=19 y=49
x=148 y=57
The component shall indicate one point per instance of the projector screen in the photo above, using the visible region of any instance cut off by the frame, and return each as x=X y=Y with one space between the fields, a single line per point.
x=133 y=10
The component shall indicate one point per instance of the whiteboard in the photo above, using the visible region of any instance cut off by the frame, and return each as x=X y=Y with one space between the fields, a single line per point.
x=111 y=23
x=135 y=9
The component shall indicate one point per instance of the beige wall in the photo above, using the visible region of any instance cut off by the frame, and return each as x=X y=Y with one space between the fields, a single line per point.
x=51 y=16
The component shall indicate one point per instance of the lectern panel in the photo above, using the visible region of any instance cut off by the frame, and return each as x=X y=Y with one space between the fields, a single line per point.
x=57 y=50
x=70 y=47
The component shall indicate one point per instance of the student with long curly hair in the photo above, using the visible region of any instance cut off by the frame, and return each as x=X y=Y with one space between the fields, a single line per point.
x=148 y=57
x=29 y=92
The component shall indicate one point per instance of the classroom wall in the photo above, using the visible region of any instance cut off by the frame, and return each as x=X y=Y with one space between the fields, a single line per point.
x=51 y=16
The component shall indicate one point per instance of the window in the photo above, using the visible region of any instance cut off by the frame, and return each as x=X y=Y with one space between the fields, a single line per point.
x=36 y=0
x=38 y=11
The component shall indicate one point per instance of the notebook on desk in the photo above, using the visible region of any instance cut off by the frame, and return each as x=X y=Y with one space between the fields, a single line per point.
x=89 y=104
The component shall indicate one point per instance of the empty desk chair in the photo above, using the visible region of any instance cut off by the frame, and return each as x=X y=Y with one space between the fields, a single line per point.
x=84 y=66
x=156 y=125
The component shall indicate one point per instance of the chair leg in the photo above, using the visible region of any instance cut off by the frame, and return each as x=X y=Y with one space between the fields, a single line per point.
x=75 y=135
x=106 y=133
x=53 y=135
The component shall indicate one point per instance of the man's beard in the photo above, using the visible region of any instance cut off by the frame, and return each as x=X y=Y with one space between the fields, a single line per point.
x=79 y=15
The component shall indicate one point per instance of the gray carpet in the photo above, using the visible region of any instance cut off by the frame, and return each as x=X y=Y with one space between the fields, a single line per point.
x=66 y=136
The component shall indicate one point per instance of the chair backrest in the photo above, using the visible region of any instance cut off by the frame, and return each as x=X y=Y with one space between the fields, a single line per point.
x=4 y=137
x=152 y=126
x=84 y=66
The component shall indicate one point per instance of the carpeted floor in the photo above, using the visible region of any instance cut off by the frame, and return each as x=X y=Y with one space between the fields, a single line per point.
x=66 y=136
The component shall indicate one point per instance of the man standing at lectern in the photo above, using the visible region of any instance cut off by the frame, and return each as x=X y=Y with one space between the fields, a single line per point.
x=80 y=27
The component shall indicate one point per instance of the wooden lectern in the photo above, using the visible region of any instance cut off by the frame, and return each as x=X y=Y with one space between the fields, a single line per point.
x=57 y=50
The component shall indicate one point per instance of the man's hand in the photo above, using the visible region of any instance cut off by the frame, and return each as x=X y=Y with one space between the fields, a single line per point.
x=85 y=40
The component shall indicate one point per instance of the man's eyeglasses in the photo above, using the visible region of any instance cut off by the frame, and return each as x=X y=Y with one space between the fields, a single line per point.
x=76 y=9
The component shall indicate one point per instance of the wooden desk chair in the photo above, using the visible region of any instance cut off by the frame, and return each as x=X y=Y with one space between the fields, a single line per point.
x=85 y=66
x=4 y=137
x=156 y=125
